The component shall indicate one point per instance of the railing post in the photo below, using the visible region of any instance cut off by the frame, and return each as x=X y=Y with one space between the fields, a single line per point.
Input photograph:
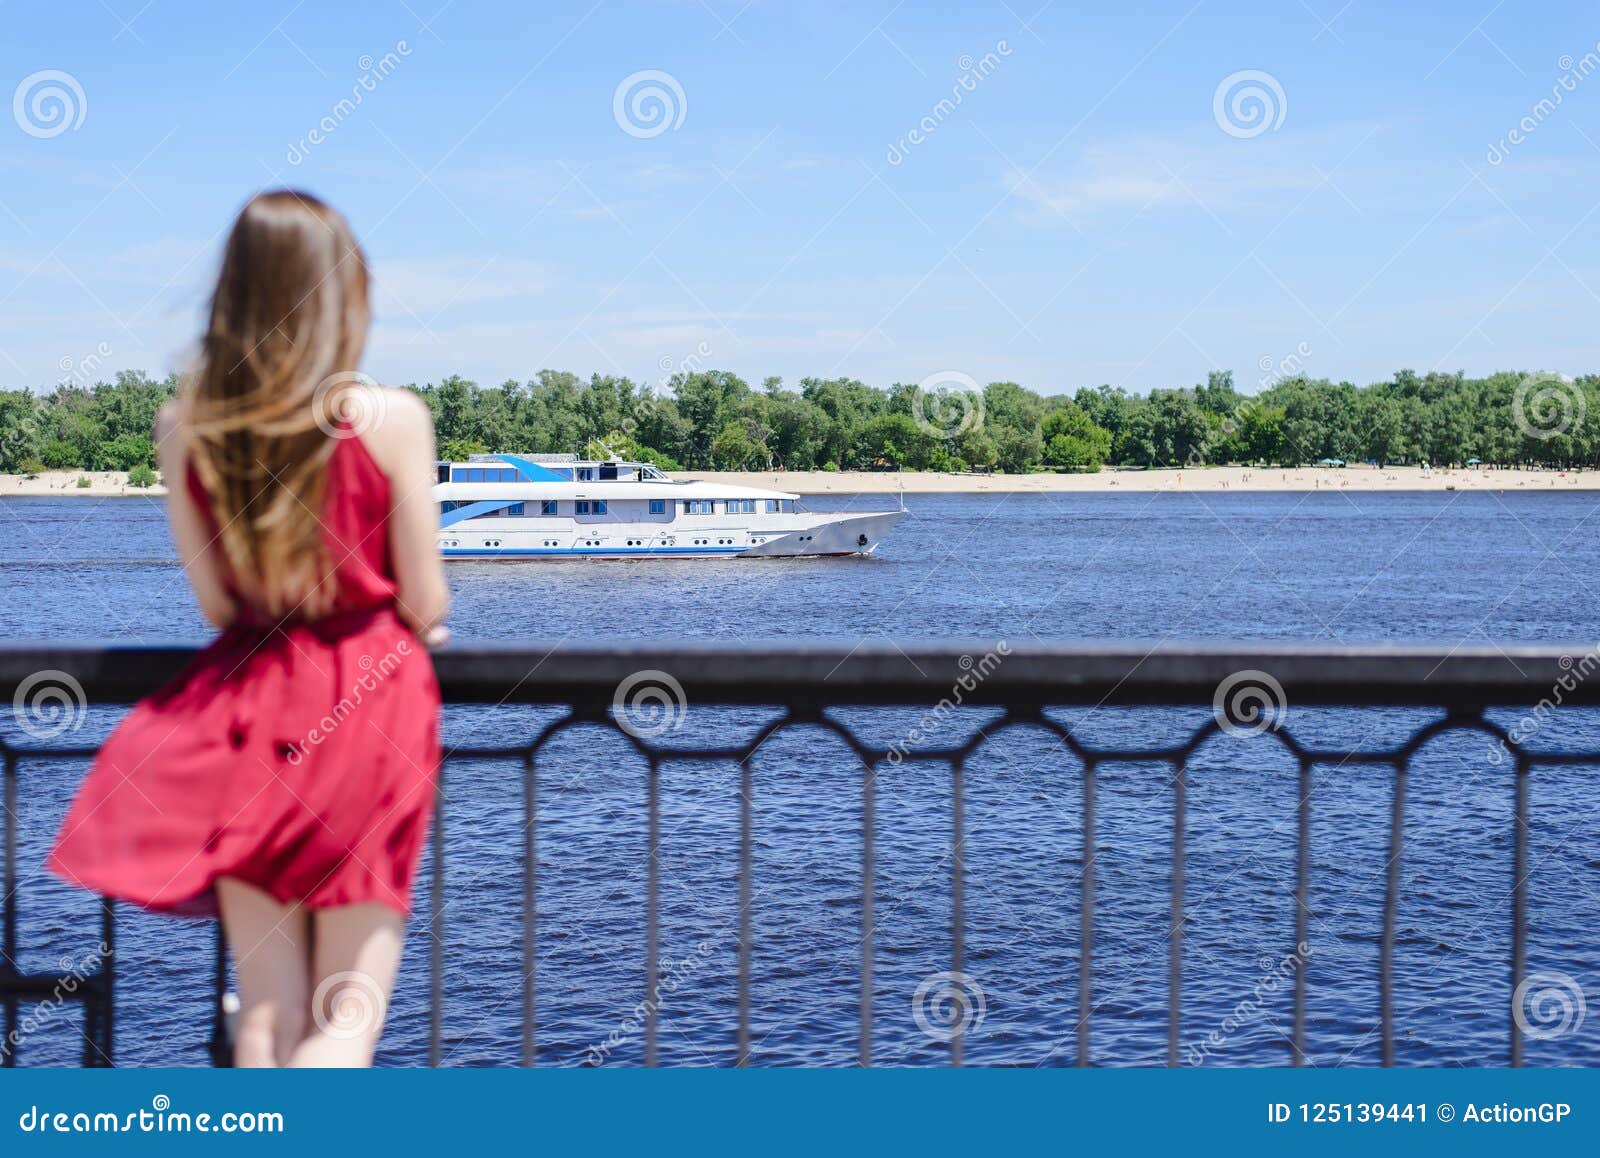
x=530 y=899
x=1086 y=918
x=436 y=931
x=869 y=812
x=1175 y=944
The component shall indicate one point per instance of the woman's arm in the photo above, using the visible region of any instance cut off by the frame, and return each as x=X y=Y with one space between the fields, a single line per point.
x=401 y=440
x=190 y=530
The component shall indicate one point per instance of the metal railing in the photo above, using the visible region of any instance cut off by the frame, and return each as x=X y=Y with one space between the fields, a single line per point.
x=805 y=685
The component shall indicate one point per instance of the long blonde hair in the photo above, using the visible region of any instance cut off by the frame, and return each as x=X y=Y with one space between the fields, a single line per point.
x=262 y=407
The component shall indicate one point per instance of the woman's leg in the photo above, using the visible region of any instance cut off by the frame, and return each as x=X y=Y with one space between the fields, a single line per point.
x=354 y=962
x=272 y=958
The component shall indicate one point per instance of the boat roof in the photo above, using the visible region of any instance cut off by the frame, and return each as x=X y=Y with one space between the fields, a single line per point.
x=610 y=489
x=540 y=481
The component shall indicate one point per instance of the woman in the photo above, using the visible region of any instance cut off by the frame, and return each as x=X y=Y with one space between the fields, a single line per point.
x=286 y=778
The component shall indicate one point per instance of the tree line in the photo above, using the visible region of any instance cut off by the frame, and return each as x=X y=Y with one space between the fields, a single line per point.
x=716 y=420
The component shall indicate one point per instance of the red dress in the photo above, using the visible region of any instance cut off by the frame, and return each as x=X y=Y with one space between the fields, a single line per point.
x=300 y=758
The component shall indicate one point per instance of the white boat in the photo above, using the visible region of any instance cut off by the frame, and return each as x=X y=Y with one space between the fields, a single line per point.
x=559 y=506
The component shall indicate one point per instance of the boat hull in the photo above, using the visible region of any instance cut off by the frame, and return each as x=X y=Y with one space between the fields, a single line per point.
x=843 y=535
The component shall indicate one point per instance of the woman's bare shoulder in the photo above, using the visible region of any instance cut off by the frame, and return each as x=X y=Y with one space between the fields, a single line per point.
x=398 y=429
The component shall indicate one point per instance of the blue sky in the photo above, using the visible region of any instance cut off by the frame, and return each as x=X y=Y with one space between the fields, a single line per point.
x=1081 y=216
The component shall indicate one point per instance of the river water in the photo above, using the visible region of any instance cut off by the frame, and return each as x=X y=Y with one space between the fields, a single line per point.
x=1451 y=567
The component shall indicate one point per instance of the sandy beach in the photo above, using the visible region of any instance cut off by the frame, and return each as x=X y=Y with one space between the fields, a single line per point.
x=114 y=484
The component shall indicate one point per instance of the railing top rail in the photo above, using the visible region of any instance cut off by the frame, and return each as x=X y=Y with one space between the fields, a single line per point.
x=881 y=672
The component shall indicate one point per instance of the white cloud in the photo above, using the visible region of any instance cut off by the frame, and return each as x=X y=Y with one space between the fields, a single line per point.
x=1221 y=179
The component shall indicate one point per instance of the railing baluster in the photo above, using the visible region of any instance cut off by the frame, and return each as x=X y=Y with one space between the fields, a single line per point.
x=530 y=895
x=652 y=930
x=108 y=980
x=869 y=811
x=436 y=932
x=1391 y=910
x=1086 y=918
x=221 y=1045
x=1302 y=914
x=9 y=965
x=743 y=1031
x=1175 y=945
x=1519 y=902
x=958 y=812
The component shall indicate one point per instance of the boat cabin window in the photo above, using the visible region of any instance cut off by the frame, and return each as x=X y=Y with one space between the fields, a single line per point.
x=774 y=506
x=581 y=507
x=741 y=506
x=658 y=506
x=514 y=509
x=608 y=472
x=547 y=506
x=480 y=474
x=444 y=471
x=585 y=474
x=600 y=506
x=699 y=507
